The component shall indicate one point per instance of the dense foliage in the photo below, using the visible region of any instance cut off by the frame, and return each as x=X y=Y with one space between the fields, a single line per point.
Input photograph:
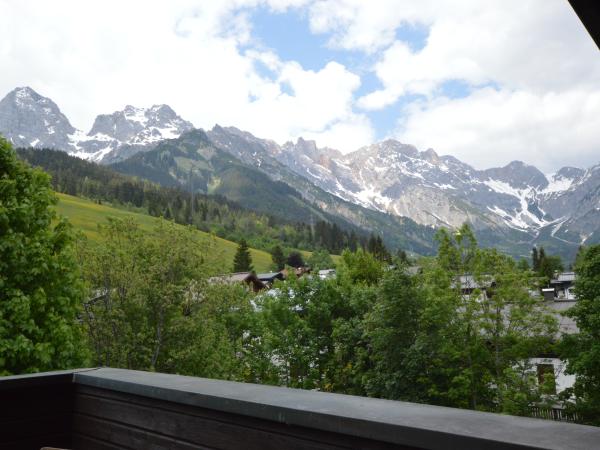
x=545 y=265
x=376 y=329
x=582 y=350
x=40 y=287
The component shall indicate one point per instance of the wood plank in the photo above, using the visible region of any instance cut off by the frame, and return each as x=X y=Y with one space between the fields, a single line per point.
x=82 y=442
x=208 y=427
x=127 y=437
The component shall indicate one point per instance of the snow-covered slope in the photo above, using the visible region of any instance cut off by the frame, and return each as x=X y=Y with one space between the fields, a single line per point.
x=31 y=120
x=516 y=200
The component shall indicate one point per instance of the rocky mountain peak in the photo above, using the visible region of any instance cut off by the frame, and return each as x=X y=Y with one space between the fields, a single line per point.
x=518 y=175
x=29 y=119
x=571 y=173
x=431 y=156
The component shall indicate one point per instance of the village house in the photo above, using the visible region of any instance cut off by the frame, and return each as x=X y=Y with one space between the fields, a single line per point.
x=247 y=278
x=557 y=298
x=269 y=278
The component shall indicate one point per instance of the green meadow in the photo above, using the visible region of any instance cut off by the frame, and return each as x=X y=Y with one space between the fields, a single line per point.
x=86 y=216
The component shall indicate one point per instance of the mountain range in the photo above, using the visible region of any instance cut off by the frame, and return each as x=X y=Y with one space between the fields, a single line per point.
x=388 y=187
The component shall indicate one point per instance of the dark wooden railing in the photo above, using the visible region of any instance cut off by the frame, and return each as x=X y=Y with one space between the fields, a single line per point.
x=123 y=409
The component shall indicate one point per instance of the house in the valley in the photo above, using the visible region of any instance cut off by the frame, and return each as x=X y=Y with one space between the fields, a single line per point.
x=563 y=284
x=268 y=279
x=469 y=284
x=325 y=274
x=247 y=278
x=558 y=298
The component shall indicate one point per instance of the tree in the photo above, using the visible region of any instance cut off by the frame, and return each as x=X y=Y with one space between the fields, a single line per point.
x=402 y=257
x=142 y=286
x=523 y=265
x=535 y=259
x=377 y=248
x=242 y=261
x=320 y=259
x=485 y=326
x=40 y=288
x=392 y=330
x=295 y=259
x=582 y=350
x=278 y=258
x=546 y=265
x=549 y=265
x=360 y=267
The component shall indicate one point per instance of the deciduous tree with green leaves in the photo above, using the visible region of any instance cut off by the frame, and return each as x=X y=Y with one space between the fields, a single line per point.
x=40 y=287
x=320 y=259
x=141 y=285
x=582 y=350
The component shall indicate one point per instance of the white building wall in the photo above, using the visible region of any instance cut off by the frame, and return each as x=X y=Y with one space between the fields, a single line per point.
x=563 y=381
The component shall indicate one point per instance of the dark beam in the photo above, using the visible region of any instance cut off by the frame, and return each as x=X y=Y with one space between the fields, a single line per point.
x=589 y=14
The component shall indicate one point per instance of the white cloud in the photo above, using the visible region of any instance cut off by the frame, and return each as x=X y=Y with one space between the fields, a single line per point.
x=536 y=52
x=202 y=58
x=492 y=127
x=95 y=57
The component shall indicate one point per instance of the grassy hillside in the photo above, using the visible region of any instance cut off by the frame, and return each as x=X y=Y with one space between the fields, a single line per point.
x=86 y=215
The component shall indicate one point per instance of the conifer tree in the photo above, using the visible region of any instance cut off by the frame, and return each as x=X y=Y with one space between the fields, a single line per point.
x=535 y=259
x=242 y=261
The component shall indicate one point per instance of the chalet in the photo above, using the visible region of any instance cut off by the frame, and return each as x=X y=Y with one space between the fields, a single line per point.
x=558 y=298
x=268 y=279
x=469 y=284
x=248 y=278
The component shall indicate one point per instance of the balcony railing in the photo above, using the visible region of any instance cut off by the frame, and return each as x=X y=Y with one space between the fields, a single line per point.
x=124 y=409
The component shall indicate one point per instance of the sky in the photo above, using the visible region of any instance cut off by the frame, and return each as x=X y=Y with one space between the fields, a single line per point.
x=485 y=81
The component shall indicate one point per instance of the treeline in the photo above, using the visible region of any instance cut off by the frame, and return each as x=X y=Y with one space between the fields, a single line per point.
x=211 y=213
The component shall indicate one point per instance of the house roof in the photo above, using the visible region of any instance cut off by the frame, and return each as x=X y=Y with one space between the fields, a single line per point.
x=564 y=277
x=270 y=276
x=248 y=277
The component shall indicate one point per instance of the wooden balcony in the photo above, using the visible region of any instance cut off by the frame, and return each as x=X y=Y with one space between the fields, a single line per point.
x=124 y=409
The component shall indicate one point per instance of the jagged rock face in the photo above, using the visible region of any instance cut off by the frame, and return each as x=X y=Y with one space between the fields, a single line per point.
x=516 y=200
x=139 y=125
x=29 y=120
x=115 y=137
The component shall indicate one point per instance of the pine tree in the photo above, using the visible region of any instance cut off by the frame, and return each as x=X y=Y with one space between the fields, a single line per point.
x=535 y=259
x=242 y=261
